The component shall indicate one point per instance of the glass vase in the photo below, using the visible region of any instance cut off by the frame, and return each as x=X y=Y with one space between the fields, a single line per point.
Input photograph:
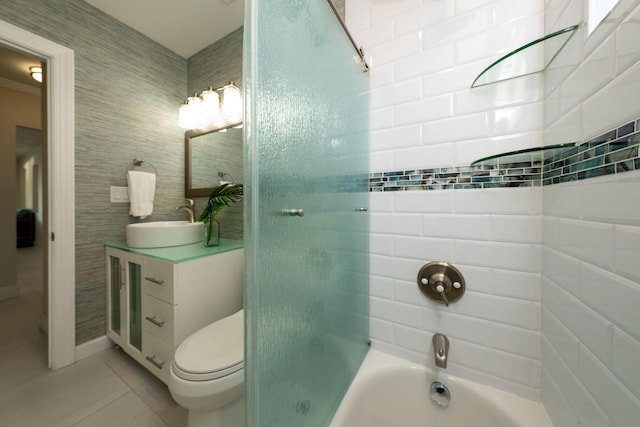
x=211 y=233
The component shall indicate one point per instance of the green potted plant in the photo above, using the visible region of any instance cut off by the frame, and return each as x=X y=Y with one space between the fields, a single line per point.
x=221 y=196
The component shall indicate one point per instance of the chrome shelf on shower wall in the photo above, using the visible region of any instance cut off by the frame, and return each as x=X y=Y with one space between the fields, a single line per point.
x=528 y=59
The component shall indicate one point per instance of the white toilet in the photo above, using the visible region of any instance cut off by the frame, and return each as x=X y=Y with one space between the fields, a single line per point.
x=207 y=374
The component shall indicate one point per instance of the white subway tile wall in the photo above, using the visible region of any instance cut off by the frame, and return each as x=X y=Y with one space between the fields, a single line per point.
x=424 y=55
x=557 y=259
x=497 y=248
x=591 y=231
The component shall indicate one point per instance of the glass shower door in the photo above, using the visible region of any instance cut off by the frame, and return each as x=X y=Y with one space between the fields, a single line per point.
x=306 y=221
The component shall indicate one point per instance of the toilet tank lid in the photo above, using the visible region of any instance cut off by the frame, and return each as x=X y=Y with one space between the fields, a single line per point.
x=216 y=347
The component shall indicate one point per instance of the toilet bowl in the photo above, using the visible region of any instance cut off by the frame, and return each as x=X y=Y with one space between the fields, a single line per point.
x=207 y=374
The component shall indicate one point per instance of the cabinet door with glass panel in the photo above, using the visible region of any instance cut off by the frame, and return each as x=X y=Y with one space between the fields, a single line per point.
x=124 y=299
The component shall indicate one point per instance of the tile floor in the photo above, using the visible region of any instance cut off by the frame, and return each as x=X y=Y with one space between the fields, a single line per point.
x=108 y=389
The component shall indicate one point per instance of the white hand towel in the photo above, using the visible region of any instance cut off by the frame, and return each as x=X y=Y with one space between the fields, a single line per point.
x=142 y=188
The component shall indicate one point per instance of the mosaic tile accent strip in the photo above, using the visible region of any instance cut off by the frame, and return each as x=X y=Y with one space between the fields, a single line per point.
x=459 y=178
x=615 y=151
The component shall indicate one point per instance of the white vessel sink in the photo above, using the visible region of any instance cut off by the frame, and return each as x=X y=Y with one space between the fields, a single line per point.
x=162 y=234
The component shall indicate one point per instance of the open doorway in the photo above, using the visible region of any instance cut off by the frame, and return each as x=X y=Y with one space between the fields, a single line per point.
x=23 y=298
x=58 y=234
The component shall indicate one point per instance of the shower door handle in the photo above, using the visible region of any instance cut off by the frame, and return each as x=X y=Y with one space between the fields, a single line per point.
x=295 y=212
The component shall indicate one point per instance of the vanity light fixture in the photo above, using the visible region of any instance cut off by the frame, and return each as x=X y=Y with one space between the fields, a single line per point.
x=208 y=109
x=36 y=73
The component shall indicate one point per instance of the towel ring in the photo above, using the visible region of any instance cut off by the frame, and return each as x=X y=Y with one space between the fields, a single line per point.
x=139 y=163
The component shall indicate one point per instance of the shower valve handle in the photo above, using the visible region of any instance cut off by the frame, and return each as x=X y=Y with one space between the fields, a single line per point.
x=441 y=282
x=444 y=299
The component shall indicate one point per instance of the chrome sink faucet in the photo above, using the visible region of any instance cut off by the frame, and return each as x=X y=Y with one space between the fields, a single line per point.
x=441 y=347
x=190 y=208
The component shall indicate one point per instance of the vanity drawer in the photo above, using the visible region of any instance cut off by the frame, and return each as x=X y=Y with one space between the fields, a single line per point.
x=157 y=280
x=157 y=319
x=157 y=356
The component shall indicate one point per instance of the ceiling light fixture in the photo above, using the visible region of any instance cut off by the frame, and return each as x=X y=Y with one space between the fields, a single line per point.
x=36 y=73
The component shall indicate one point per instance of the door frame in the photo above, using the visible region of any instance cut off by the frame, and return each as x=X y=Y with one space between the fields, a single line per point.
x=60 y=220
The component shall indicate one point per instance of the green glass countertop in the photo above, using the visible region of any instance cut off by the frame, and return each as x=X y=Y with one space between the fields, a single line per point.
x=175 y=254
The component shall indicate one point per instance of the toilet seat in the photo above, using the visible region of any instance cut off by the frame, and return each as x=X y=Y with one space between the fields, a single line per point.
x=213 y=352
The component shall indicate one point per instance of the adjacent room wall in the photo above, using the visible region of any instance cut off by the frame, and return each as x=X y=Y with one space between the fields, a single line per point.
x=16 y=109
x=424 y=55
x=29 y=167
x=591 y=230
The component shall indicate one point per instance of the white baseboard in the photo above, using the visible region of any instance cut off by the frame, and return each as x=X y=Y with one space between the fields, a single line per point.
x=7 y=292
x=92 y=347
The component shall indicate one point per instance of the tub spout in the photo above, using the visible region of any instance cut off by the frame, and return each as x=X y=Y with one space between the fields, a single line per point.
x=441 y=347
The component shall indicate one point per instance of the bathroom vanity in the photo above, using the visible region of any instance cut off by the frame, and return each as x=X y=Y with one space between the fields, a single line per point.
x=157 y=297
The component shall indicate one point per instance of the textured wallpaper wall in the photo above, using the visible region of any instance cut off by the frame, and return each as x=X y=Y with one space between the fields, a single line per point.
x=425 y=55
x=215 y=66
x=127 y=90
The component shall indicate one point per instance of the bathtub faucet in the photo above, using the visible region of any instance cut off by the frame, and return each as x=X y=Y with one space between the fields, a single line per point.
x=441 y=347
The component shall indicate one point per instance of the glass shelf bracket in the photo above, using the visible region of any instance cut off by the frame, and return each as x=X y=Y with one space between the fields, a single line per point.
x=528 y=59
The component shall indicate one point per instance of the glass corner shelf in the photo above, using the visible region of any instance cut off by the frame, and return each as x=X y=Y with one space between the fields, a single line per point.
x=536 y=154
x=528 y=59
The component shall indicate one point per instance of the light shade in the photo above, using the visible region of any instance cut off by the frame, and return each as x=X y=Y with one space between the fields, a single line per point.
x=36 y=73
x=231 y=101
x=190 y=114
x=183 y=116
x=210 y=105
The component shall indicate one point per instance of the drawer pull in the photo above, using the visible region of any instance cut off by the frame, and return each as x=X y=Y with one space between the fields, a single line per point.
x=155 y=321
x=154 y=362
x=154 y=280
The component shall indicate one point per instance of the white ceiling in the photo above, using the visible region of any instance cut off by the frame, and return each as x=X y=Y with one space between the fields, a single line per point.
x=183 y=26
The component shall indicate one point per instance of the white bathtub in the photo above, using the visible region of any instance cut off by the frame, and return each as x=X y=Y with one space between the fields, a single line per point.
x=392 y=392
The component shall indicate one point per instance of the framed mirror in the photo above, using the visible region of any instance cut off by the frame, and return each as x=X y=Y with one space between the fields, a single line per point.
x=212 y=156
